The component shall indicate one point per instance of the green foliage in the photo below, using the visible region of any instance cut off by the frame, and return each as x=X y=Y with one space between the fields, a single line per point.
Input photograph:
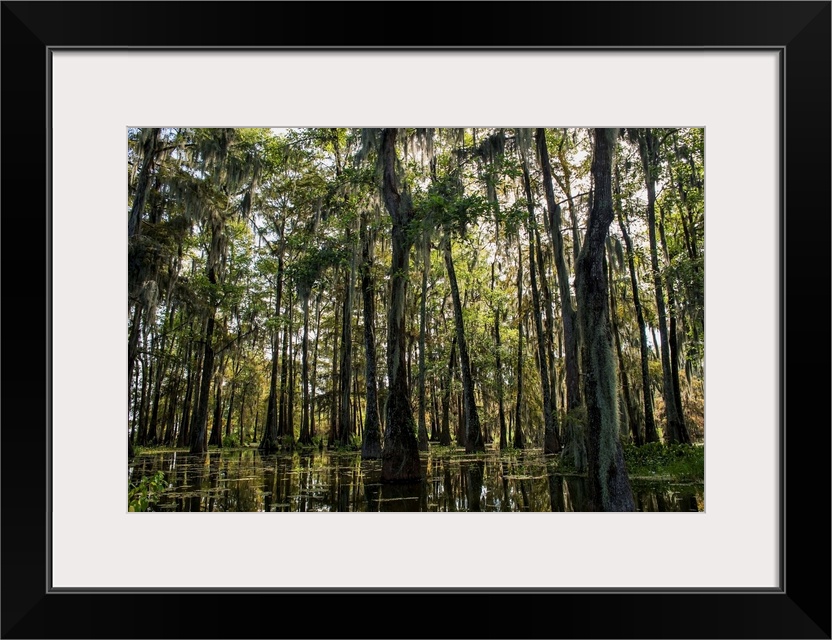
x=141 y=495
x=353 y=445
x=307 y=269
x=682 y=462
x=446 y=204
x=514 y=217
x=231 y=441
x=510 y=451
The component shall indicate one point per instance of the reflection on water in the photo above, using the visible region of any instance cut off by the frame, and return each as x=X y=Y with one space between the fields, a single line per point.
x=246 y=480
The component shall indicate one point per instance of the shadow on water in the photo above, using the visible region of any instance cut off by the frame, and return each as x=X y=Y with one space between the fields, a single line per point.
x=246 y=480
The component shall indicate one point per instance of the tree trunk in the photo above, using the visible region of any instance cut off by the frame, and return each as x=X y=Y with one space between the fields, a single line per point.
x=157 y=369
x=199 y=431
x=216 y=429
x=423 y=430
x=672 y=335
x=140 y=196
x=235 y=370
x=287 y=437
x=147 y=373
x=460 y=422
x=434 y=413
x=169 y=420
x=333 y=402
x=519 y=440
x=371 y=438
x=473 y=432
x=551 y=442
x=573 y=439
x=193 y=384
x=199 y=428
x=132 y=351
x=244 y=396
x=498 y=374
x=282 y=409
x=650 y=433
x=607 y=474
x=400 y=456
x=357 y=416
x=305 y=433
x=345 y=427
x=676 y=431
x=269 y=441
x=629 y=403
x=314 y=403
x=445 y=435
x=549 y=326
x=566 y=186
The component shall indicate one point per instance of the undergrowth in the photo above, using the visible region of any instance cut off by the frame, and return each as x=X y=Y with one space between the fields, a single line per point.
x=683 y=462
x=143 y=494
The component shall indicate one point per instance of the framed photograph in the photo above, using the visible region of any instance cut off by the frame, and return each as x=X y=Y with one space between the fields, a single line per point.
x=753 y=77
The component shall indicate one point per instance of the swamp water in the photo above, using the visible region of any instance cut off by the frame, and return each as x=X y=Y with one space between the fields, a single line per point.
x=245 y=480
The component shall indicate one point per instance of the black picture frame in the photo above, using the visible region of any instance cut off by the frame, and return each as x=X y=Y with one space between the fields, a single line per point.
x=800 y=608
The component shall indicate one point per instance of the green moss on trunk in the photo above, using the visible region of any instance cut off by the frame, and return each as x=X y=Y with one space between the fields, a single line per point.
x=609 y=486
